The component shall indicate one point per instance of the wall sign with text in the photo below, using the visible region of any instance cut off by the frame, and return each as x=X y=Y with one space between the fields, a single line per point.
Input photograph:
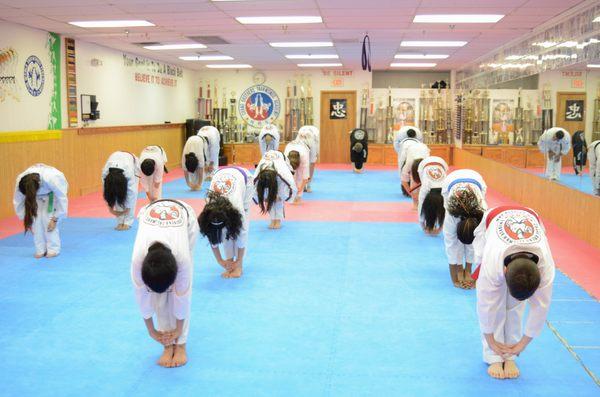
x=338 y=109
x=574 y=110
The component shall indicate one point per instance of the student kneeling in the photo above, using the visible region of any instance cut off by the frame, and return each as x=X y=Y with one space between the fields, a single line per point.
x=516 y=266
x=162 y=270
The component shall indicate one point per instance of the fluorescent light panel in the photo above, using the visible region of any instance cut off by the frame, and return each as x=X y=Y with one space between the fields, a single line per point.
x=421 y=56
x=413 y=65
x=594 y=65
x=458 y=18
x=319 y=65
x=302 y=44
x=229 y=66
x=160 y=47
x=313 y=56
x=283 y=20
x=597 y=19
x=206 y=58
x=420 y=43
x=111 y=24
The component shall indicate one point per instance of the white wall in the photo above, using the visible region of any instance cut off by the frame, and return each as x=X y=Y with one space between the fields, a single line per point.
x=19 y=110
x=238 y=81
x=123 y=100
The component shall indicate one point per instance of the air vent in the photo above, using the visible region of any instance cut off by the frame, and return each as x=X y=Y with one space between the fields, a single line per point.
x=209 y=40
x=147 y=43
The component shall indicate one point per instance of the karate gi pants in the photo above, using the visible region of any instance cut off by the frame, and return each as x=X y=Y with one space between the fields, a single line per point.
x=457 y=252
x=553 y=169
x=165 y=319
x=509 y=329
x=277 y=210
x=45 y=242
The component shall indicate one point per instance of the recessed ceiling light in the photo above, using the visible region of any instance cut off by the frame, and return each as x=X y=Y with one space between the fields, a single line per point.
x=111 y=24
x=545 y=44
x=594 y=65
x=420 y=43
x=413 y=65
x=297 y=44
x=207 y=58
x=319 y=65
x=229 y=66
x=421 y=56
x=279 y=20
x=458 y=18
x=313 y=56
x=174 y=46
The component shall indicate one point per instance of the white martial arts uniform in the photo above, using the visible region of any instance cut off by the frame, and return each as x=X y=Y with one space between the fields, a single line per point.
x=286 y=185
x=309 y=134
x=458 y=180
x=302 y=173
x=548 y=145
x=502 y=232
x=594 y=157
x=236 y=184
x=413 y=152
x=173 y=224
x=153 y=183
x=199 y=146
x=402 y=141
x=52 y=202
x=130 y=165
x=214 y=140
x=432 y=172
x=273 y=131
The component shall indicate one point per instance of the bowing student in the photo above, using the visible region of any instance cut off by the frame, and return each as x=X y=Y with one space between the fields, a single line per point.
x=120 y=187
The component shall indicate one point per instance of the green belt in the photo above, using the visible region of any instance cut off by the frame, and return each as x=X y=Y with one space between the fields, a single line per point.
x=51 y=202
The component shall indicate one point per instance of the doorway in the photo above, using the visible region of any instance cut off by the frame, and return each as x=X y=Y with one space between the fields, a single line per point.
x=338 y=118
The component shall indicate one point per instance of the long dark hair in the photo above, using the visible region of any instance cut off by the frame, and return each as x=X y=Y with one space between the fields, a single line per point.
x=294 y=158
x=433 y=209
x=29 y=185
x=464 y=204
x=414 y=170
x=266 y=180
x=219 y=213
x=115 y=187
x=191 y=162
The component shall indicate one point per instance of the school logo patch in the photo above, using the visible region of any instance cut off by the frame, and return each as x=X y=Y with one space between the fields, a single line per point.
x=517 y=226
x=224 y=183
x=436 y=173
x=34 y=75
x=259 y=105
x=271 y=155
x=164 y=214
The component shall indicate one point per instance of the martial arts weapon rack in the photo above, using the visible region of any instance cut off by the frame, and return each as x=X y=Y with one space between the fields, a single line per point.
x=596 y=120
x=298 y=108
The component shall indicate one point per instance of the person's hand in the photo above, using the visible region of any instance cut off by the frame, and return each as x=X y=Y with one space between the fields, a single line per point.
x=170 y=337
x=226 y=263
x=158 y=336
x=518 y=347
x=498 y=348
x=52 y=224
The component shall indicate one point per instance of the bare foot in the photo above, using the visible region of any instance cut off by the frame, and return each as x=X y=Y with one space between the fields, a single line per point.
x=511 y=371
x=51 y=254
x=308 y=189
x=225 y=274
x=38 y=256
x=276 y=224
x=119 y=227
x=272 y=225
x=495 y=370
x=235 y=273
x=179 y=357
x=297 y=200
x=125 y=227
x=166 y=358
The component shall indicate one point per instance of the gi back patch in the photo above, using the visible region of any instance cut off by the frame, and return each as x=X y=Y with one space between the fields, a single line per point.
x=224 y=183
x=435 y=172
x=164 y=214
x=518 y=226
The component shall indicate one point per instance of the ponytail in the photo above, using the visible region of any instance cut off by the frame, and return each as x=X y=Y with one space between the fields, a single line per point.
x=464 y=204
x=433 y=209
x=28 y=186
x=267 y=180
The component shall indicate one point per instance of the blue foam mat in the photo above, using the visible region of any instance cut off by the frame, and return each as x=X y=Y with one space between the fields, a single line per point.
x=582 y=183
x=324 y=309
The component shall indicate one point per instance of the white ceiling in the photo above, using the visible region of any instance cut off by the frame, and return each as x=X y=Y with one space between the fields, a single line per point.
x=388 y=22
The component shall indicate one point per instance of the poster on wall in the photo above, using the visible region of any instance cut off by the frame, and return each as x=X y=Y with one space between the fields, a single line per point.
x=259 y=105
x=574 y=110
x=503 y=129
x=404 y=112
x=338 y=109
x=29 y=79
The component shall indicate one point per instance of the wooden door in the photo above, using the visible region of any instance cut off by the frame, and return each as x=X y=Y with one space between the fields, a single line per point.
x=338 y=118
x=570 y=108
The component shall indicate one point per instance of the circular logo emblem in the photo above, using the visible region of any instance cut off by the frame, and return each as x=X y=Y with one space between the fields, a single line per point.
x=518 y=226
x=164 y=214
x=223 y=183
x=34 y=75
x=435 y=172
x=259 y=105
x=359 y=135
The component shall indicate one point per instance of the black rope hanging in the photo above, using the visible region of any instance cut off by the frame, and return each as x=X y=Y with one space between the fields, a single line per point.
x=366 y=53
